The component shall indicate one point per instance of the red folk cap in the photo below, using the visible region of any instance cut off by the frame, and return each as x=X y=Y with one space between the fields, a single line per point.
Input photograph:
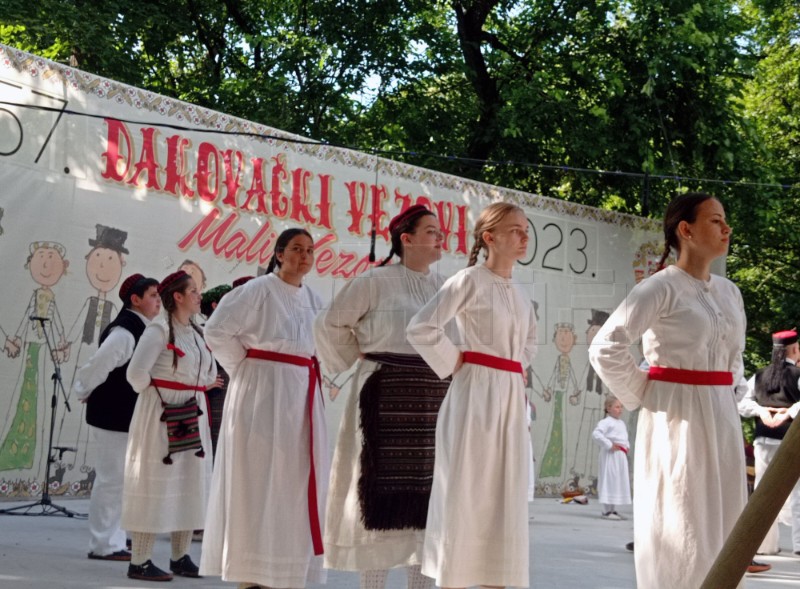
x=411 y=211
x=784 y=338
x=242 y=280
x=127 y=286
x=172 y=278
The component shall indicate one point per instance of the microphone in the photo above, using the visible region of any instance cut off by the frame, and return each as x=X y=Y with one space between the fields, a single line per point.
x=35 y=318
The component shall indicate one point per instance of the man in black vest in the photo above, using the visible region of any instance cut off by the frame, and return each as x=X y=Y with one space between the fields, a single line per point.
x=773 y=399
x=110 y=400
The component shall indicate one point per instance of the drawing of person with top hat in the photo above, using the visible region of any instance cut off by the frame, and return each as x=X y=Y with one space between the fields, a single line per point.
x=104 y=264
x=46 y=263
x=585 y=458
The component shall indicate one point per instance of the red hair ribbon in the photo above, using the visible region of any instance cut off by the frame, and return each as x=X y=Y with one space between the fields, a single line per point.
x=176 y=349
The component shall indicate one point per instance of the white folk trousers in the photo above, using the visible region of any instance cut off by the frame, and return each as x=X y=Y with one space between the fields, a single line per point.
x=105 y=505
x=764 y=450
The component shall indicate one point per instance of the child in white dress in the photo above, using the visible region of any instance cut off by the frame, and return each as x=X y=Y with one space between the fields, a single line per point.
x=613 y=484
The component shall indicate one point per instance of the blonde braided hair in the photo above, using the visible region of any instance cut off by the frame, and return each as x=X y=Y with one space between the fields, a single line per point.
x=488 y=220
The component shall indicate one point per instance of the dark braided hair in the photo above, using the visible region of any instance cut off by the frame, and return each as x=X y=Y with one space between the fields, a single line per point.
x=681 y=208
x=776 y=369
x=168 y=301
x=407 y=225
x=280 y=245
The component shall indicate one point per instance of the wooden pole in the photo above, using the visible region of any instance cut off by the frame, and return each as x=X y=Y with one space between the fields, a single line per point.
x=759 y=514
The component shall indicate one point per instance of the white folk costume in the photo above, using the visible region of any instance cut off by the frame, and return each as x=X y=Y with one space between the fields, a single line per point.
x=161 y=497
x=369 y=316
x=477 y=530
x=110 y=402
x=260 y=526
x=763 y=392
x=689 y=471
x=613 y=479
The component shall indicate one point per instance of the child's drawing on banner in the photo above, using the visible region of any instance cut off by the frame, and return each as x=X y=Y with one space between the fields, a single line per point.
x=2 y=331
x=585 y=458
x=194 y=270
x=561 y=385
x=104 y=264
x=46 y=263
x=334 y=387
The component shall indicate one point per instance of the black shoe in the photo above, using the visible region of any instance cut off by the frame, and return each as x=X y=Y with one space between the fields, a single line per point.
x=118 y=555
x=147 y=572
x=184 y=567
x=629 y=546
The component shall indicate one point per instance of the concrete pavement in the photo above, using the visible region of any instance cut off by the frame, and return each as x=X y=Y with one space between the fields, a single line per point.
x=571 y=547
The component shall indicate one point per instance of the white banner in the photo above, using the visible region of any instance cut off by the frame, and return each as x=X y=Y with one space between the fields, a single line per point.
x=99 y=180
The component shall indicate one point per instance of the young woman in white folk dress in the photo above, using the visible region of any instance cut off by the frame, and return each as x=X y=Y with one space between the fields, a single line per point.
x=267 y=506
x=378 y=501
x=689 y=472
x=167 y=491
x=477 y=529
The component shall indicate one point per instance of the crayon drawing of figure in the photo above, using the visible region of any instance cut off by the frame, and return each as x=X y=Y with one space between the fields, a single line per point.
x=47 y=264
x=562 y=384
x=585 y=458
x=104 y=264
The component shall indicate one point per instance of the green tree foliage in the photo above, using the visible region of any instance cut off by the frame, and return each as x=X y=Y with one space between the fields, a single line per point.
x=671 y=88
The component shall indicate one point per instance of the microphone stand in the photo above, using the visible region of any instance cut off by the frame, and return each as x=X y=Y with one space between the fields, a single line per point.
x=46 y=505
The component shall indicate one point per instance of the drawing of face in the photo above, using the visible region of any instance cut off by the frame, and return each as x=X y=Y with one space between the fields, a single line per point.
x=564 y=339
x=104 y=268
x=47 y=266
x=195 y=272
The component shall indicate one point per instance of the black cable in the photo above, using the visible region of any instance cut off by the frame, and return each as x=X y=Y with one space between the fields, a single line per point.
x=395 y=153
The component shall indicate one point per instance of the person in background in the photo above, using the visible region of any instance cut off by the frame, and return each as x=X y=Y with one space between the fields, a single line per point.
x=614 y=485
x=477 y=528
x=101 y=383
x=383 y=461
x=689 y=472
x=267 y=506
x=773 y=399
x=215 y=395
x=167 y=469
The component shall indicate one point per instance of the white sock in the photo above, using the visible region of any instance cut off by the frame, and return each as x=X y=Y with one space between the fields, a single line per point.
x=374 y=579
x=180 y=543
x=141 y=547
x=416 y=580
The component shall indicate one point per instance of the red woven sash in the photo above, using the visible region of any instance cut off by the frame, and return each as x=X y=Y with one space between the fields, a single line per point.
x=490 y=361
x=695 y=377
x=313 y=378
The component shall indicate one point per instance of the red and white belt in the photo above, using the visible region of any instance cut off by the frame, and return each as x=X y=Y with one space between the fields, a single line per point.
x=313 y=378
x=695 y=377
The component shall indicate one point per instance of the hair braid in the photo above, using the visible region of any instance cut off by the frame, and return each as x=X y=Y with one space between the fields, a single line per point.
x=664 y=256
x=476 y=248
x=172 y=343
x=387 y=258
